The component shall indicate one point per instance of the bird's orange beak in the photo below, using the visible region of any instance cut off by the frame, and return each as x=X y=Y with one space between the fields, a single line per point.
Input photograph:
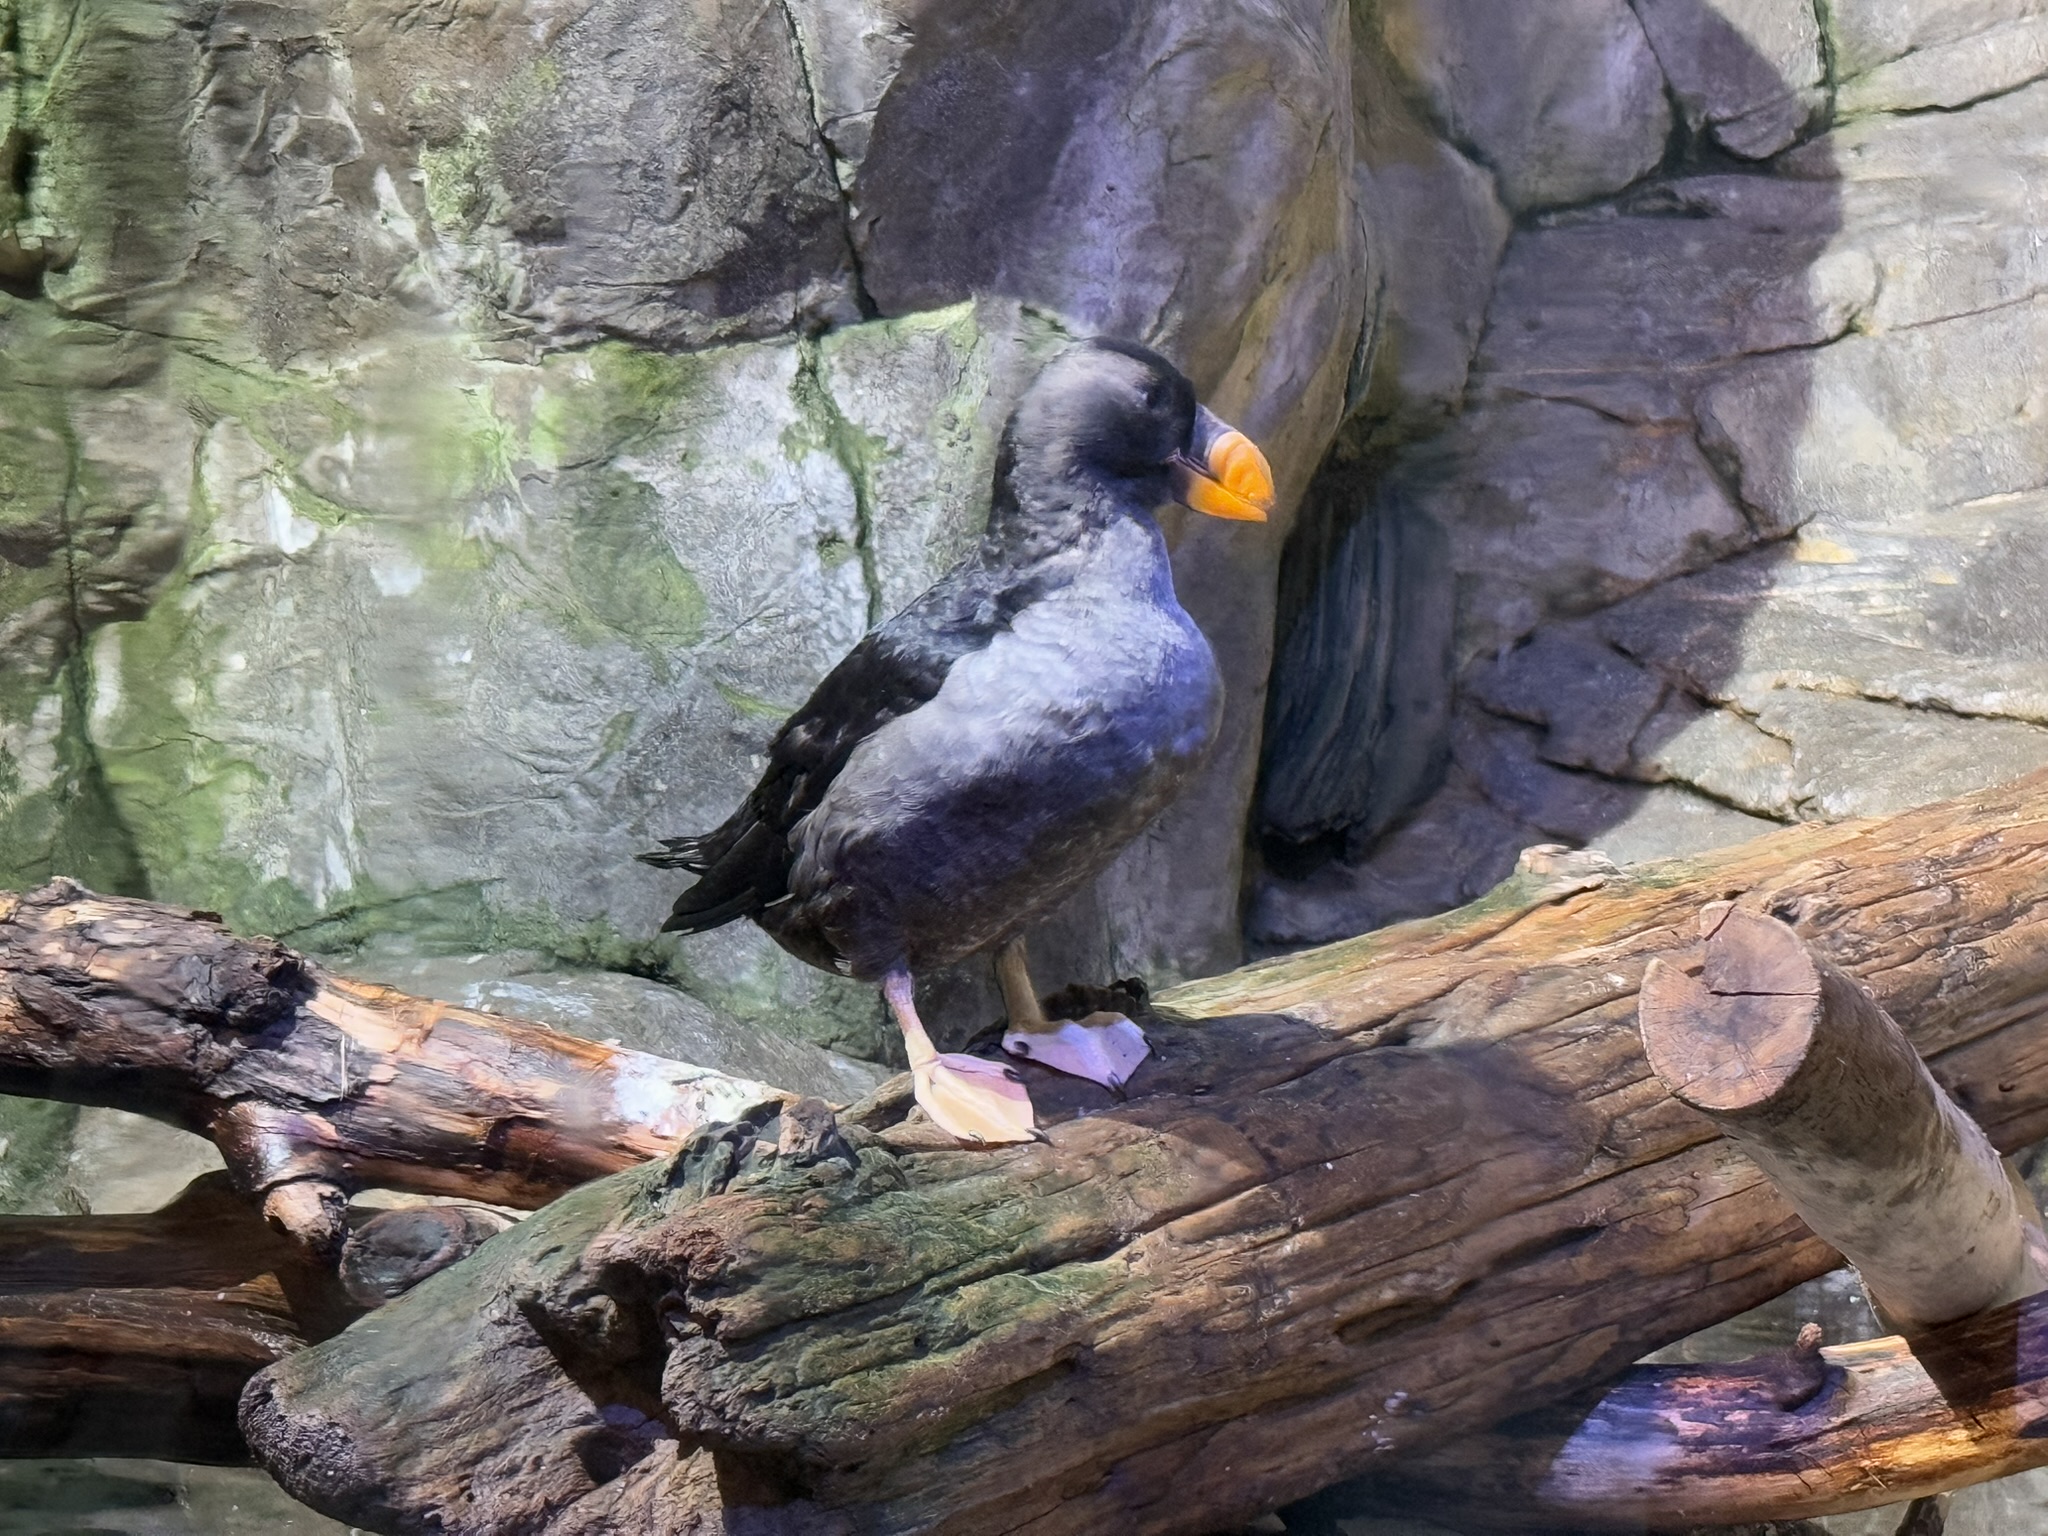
x=1223 y=473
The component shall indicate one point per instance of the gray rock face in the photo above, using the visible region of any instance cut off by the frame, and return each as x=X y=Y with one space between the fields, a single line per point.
x=35 y=1152
x=122 y=1163
x=1738 y=486
x=608 y=192
x=1562 y=98
x=1894 y=55
x=1749 y=73
x=1147 y=170
x=1435 y=234
x=1554 y=509
x=546 y=176
x=394 y=692
x=149 y=1498
x=436 y=457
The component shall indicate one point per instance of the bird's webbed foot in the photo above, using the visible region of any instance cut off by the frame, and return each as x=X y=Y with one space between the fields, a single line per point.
x=1104 y=1047
x=968 y=1097
x=975 y=1099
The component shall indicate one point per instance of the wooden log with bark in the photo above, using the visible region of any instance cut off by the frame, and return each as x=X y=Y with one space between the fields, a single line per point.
x=1364 y=1200
x=134 y=1335
x=312 y=1086
x=1799 y=1066
x=1809 y=1432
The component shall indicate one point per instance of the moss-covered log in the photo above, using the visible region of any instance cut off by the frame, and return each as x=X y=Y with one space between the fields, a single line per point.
x=1363 y=1199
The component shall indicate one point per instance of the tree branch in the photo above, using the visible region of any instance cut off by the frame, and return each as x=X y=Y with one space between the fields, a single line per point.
x=314 y=1087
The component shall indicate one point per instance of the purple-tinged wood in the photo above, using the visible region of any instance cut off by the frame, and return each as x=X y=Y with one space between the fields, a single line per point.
x=1786 y=1437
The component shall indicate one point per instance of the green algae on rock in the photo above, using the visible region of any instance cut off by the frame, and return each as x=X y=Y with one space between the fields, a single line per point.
x=434 y=642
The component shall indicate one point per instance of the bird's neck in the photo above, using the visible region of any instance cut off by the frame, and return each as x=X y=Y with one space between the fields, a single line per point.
x=1060 y=518
x=1116 y=560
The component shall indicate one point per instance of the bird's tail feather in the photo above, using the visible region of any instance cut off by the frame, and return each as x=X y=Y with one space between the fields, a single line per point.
x=747 y=874
x=687 y=919
x=680 y=853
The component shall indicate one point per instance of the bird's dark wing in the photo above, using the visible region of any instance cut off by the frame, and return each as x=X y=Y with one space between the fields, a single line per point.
x=744 y=864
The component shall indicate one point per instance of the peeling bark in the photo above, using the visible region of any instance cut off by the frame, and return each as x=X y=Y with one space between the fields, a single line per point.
x=314 y=1087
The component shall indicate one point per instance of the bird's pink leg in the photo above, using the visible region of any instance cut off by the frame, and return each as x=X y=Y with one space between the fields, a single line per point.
x=1104 y=1047
x=966 y=1096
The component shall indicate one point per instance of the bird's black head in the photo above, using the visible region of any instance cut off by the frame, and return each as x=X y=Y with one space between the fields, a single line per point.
x=1112 y=415
x=1112 y=406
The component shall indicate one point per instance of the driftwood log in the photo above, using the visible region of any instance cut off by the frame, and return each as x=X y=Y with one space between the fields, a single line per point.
x=1801 y=1068
x=1428 y=1179
x=1798 y=1065
x=1363 y=1200
x=314 y=1087
x=134 y=1335
x=1814 y=1431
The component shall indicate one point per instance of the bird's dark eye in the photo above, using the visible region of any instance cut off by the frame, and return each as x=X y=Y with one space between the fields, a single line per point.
x=1155 y=395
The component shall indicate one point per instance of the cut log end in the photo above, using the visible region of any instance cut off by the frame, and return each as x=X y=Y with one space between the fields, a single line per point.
x=1800 y=1066
x=312 y=1213
x=1730 y=1037
x=1750 y=954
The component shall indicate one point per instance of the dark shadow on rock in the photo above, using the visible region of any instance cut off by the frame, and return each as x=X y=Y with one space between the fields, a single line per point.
x=1613 y=498
x=1371 y=583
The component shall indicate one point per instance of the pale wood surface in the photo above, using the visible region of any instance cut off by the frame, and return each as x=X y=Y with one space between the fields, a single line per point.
x=1801 y=1068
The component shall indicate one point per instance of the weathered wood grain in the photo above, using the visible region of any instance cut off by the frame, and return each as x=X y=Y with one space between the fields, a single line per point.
x=1362 y=1200
x=134 y=1335
x=1814 y=1432
x=1800 y=1068
x=314 y=1087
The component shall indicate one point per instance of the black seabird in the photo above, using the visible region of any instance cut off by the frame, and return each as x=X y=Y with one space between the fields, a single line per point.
x=992 y=747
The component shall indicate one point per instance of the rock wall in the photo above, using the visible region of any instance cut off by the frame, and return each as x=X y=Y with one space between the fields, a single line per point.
x=437 y=451
x=1728 y=424
x=438 y=447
